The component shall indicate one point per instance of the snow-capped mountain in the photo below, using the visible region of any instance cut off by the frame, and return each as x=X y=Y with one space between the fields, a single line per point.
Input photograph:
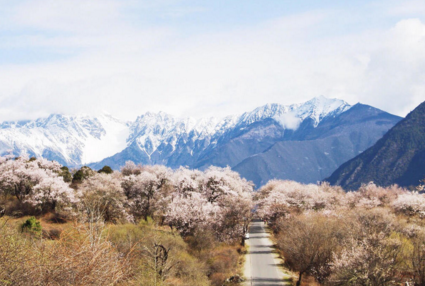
x=159 y=138
x=153 y=130
x=78 y=140
x=71 y=140
x=317 y=109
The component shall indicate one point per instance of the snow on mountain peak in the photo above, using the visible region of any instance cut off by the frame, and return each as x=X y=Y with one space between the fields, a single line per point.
x=321 y=107
x=150 y=130
x=73 y=140
x=289 y=116
x=82 y=139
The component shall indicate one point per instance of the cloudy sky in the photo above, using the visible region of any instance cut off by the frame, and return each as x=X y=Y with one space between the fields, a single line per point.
x=207 y=58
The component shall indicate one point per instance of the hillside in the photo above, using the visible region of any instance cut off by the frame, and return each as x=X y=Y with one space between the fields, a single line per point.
x=397 y=158
x=323 y=150
x=304 y=142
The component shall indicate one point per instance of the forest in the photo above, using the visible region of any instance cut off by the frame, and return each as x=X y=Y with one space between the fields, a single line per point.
x=151 y=225
x=373 y=236
x=143 y=225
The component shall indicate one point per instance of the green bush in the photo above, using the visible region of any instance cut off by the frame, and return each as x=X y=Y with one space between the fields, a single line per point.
x=82 y=174
x=106 y=170
x=32 y=225
x=78 y=176
x=66 y=174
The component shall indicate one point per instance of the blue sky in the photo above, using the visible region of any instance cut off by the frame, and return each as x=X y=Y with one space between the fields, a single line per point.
x=207 y=58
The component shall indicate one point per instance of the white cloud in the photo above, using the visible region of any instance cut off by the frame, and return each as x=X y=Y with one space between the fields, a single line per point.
x=395 y=76
x=181 y=12
x=404 y=8
x=68 y=16
x=289 y=121
x=128 y=69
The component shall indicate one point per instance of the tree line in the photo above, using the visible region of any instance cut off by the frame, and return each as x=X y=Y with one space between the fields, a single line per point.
x=373 y=236
x=148 y=225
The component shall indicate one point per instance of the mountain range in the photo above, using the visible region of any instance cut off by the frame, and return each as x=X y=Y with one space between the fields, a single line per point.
x=397 y=158
x=304 y=142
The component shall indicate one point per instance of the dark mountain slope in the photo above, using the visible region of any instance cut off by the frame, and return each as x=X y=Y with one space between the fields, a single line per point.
x=322 y=150
x=248 y=140
x=397 y=158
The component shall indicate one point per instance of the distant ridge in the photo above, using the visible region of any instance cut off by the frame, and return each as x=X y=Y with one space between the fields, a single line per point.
x=159 y=138
x=397 y=158
x=312 y=154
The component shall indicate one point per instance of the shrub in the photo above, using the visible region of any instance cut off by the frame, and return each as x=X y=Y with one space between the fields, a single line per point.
x=222 y=262
x=84 y=173
x=106 y=170
x=32 y=225
x=78 y=257
x=157 y=256
x=417 y=259
x=65 y=174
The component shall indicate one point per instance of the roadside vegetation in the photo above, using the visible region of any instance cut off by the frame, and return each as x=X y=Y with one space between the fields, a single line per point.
x=143 y=225
x=374 y=236
x=150 y=225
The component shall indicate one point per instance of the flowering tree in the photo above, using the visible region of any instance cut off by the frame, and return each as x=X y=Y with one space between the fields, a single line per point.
x=234 y=195
x=51 y=192
x=102 y=197
x=373 y=260
x=410 y=203
x=130 y=169
x=279 y=198
x=191 y=211
x=35 y=181
x=48 y=165
x=146 y=189
x=370 y=196
x=185 y=180
x=219 y=198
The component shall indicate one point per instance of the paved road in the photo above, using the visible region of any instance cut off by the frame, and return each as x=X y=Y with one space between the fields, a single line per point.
x=262 y=263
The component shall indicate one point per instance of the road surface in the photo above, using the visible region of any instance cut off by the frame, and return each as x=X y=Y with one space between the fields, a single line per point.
x=262 y=265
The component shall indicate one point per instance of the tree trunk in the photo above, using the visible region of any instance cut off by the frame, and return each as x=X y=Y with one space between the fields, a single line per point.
x=299 y=279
